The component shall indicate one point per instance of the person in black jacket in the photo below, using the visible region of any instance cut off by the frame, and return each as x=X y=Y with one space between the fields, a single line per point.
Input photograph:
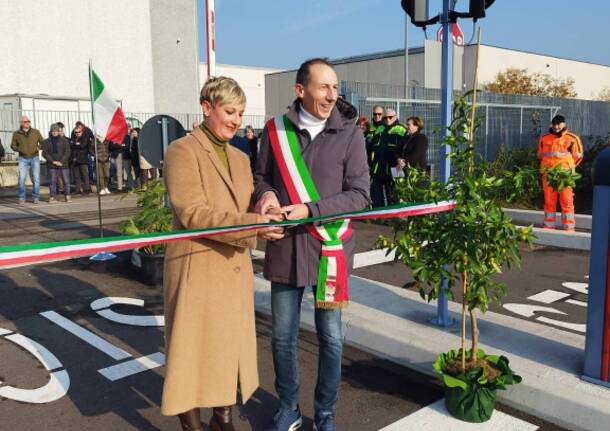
x=414 y=150
x=56 y=151
x=253 y=140
x=79 y=161
x=123 y=163
x=134 y=153
x=88 y=135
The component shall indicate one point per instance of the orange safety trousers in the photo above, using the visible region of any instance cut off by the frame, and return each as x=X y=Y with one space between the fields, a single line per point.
x=564 y=149
x=566 y=201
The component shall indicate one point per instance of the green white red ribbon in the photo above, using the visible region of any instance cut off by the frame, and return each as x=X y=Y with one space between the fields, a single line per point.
x=28 y=254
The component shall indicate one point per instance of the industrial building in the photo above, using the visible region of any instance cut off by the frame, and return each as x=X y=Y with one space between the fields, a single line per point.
x=145 y=51
x=424 y=70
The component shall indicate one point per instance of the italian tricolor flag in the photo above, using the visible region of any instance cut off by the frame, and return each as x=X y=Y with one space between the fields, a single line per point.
x=108 y=116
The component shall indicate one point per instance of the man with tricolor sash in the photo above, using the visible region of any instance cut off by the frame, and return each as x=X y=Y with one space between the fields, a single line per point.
x=312 y=162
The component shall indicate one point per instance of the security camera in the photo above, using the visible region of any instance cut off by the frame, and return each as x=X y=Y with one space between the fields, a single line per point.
x=178 y=41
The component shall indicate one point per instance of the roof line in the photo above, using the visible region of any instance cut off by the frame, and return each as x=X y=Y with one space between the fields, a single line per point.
x=420 y=49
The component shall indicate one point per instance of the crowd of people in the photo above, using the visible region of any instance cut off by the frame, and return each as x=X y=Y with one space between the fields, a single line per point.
x=71 y=161
x=392 y=148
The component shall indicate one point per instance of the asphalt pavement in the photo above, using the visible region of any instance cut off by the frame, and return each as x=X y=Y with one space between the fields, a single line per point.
x=45 y=303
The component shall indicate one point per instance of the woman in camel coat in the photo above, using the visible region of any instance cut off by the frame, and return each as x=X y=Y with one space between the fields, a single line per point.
x=209 y=309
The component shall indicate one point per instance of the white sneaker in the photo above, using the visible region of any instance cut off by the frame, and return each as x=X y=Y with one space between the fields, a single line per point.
x=107 y=192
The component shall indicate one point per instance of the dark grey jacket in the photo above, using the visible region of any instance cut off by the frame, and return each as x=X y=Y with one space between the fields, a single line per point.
x=337 y=161
x=62 y=154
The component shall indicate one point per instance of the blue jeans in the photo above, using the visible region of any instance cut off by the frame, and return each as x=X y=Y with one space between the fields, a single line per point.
x=65 y=174
x=286 y=315
x=33 y=165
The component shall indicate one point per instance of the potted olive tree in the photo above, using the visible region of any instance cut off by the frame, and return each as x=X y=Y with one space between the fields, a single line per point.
x=462 y=249
x=154 y=216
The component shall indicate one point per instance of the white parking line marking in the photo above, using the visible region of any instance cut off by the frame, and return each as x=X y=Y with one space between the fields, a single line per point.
x=134 y=366
x=436 y=417
x=86 y=335
x=56 y=387
x=46 y=358
x=529 y=310
x=573 y=326
x=127 y=319
x=577 y=287
x=548 y=296
x=59 y=380
x=4 y=332
x=577 y=302
x=109 y=301
x=101 y=307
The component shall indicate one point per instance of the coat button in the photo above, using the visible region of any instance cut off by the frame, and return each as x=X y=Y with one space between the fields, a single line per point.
x=236 y=269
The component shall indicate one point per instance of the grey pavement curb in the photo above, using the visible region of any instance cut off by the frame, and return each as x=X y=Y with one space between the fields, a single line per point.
x=392 y=323
x=563 y=239
x=556 y=237
x=527 y=217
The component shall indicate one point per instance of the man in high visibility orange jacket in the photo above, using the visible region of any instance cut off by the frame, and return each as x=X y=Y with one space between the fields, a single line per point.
x=559 y=147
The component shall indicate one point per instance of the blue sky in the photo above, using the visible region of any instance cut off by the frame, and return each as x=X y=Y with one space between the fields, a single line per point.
x=282 y=33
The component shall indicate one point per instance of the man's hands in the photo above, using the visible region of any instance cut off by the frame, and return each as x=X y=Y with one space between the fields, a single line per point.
x=269 y=206
x=400 y=163
x=296 y=212
x=57 y=163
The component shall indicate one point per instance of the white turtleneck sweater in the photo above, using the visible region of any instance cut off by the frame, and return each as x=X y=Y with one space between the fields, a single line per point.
x=312 y=124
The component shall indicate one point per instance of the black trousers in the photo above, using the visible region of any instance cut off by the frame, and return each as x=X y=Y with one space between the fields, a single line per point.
x=80 y=173
x=382 y=192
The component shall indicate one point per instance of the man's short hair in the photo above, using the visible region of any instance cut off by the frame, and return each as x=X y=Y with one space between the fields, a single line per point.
x=378 y=106
x=558 y=119
x=61 y=125
x=221 y=90
x=304 y=70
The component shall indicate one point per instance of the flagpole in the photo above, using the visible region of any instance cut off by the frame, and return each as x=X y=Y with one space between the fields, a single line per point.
x=96 y=168
x=102 y=255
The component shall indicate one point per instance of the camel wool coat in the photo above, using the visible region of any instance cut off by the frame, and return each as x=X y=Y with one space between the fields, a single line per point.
x=210 y=335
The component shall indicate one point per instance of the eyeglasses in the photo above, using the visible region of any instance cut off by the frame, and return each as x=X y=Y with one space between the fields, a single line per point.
x=389 y=117
x=377 y=114
x=26 y=121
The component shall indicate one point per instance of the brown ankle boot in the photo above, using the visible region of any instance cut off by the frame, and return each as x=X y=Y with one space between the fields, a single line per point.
x=191 y=420
x=221 y=419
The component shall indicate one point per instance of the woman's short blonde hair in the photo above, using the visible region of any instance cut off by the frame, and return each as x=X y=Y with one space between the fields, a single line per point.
x=220 y=90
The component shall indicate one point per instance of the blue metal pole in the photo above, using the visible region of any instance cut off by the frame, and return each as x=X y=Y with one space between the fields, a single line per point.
x=442 y=312
x=597 y=346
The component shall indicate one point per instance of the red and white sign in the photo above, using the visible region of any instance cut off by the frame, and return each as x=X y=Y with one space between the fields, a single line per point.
x=456 y=33
x=210 y=37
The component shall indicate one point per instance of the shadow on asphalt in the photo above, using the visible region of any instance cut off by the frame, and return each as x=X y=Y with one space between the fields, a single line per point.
x=512 y=340
x=56 y=292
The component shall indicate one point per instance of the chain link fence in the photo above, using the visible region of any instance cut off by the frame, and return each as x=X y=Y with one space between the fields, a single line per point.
x=42 y=120
x=511 y=121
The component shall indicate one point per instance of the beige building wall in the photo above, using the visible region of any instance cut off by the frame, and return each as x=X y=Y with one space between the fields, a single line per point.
x=251 y=80
x=46 y=46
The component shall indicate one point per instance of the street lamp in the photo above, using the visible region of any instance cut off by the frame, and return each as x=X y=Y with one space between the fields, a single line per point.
x=418 y=11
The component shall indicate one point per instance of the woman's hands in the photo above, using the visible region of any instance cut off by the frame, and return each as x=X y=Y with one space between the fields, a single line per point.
x=269 y=207
x=276 y=232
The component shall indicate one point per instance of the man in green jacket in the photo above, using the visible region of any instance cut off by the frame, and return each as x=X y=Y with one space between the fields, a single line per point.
x=26 y=141
x=386 y=150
